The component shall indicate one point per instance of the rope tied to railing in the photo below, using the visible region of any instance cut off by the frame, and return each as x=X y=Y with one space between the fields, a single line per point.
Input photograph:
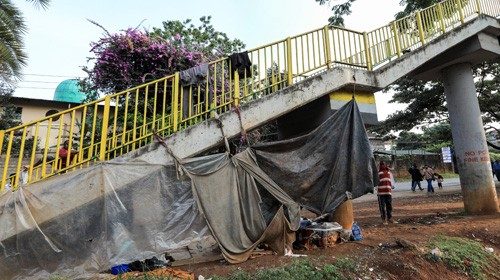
x=354 y=87
x=221 y=127
x=244 y=136
x=177 y=161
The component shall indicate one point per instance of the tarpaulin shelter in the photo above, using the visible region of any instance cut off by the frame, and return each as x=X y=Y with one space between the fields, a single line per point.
x=88 y=220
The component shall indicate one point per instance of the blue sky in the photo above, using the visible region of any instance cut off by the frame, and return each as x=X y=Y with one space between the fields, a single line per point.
x=58 y=40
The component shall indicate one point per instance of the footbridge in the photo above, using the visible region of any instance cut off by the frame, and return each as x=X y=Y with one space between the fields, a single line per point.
x=441 y=42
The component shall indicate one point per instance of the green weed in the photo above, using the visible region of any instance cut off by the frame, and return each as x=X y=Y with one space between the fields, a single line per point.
x=464 y=254
x=298 y=270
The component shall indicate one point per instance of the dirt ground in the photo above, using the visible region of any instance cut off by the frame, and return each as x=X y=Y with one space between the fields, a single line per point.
x=420 y=218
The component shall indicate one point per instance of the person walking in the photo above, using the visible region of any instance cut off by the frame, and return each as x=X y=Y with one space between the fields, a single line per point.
x=428 y=174
x=439 y=179
x=384 y=190
x=496 y=169
x=416 y=177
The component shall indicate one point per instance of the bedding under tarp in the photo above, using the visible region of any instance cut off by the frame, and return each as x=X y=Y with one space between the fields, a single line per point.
x=77 y=224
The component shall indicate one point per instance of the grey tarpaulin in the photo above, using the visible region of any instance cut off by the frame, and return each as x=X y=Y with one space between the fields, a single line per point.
x=88 y=220
x=80 y=223
x=319 y=169
x=227 y=190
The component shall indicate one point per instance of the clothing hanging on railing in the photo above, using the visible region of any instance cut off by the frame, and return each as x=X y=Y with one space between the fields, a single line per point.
x=194 y=75
x=240 y=62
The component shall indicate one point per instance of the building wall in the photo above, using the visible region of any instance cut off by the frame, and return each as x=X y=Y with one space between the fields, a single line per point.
x=34 y=112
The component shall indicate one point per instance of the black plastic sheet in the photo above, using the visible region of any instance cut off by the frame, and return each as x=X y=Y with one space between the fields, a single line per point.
x=325 y=167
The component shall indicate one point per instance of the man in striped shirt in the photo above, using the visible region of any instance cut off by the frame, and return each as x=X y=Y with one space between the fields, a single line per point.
x=384 y=193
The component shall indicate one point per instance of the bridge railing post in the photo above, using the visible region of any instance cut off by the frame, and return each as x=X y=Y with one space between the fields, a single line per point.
x=396 y=38
x=441 y=17
x=478 y=6
x=369 y=64
x=2 y=136
x=236 y=93
x=289 y=63
x=7 y=159
x=104 y=128
x=175 y=103
x=460 y=10
x=326 y=38
x=420 y=27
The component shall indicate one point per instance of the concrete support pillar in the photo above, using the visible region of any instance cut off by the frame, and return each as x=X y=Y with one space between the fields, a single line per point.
x=471 y=150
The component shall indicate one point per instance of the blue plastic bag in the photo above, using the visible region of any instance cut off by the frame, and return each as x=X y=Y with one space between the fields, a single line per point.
x=119 y=269
x=356 y=232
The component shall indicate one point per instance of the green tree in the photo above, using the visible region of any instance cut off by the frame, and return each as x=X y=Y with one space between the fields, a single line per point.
x=431 y=139
x=437 y=136
x=427 y=104
x=132 y=57
x=203 y=38
x=12 y=29
x=409 y=141
x=8 y=116
x=339 y=11
x=345 y=8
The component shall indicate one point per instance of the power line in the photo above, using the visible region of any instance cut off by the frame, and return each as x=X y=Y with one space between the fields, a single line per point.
x=43 y=82
x=35 y=88
x=44 y=75
x=48 y=75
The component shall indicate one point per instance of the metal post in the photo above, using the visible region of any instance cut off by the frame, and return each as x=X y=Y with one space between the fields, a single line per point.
x=471 y=150
x=289 y=64
x=236 y=96
x=7 y=159
x=175 y=103
x=2 y=136
x=441 y=17
x=396 y=38
x=460 y=10
x=326 y=38
x=420 y=28
x=478 y=6
x=104 y=129
x=369 y=64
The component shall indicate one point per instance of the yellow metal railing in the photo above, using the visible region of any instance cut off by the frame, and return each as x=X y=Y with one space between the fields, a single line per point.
x=122 y=122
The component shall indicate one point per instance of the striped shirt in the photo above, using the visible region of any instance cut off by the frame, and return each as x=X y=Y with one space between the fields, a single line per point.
x=384 y=185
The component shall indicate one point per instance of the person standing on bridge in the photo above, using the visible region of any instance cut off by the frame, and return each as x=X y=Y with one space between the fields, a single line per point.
x=429 y=176
x=384 y=190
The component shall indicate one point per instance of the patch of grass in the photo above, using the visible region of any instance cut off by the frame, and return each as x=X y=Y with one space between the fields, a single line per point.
x=464 y=254
x=298 y=270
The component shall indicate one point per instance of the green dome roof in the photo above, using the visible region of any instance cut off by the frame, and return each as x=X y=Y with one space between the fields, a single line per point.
x=69 y=91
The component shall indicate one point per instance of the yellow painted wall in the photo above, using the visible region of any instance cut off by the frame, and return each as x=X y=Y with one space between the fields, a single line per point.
x=365 y=97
